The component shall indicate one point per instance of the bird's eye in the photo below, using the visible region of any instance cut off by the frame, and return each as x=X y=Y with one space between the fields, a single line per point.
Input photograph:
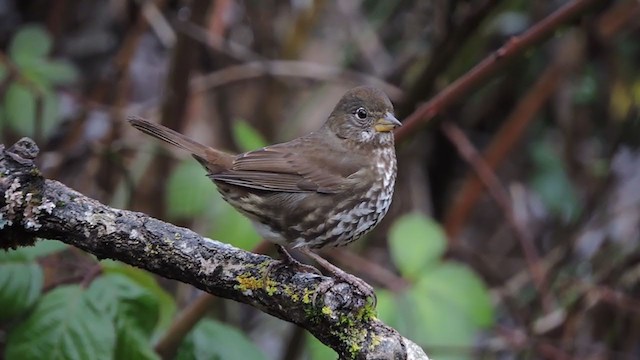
x=361 y=113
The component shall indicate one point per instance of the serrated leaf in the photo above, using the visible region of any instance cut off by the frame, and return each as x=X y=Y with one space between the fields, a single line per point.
x=20 y=287
x=122 y=298
x=42 y=248
x=213 y=340
x=247 y=137
x=30 y=41
x=415 y=242
x=189 y=191
x=166 y=304
x=133 y=308
x=63 y=325
x=133 y=343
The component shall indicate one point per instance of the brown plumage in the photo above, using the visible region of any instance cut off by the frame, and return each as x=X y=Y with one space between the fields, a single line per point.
x=327 y=188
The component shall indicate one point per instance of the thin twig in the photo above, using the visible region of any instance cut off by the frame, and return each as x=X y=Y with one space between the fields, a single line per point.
x=492 y=63
x=167 y=345
x=371 y=269
x=286 y=68
x=499 y=194
x=501 y=145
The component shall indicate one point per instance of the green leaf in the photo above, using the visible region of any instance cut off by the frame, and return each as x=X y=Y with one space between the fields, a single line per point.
x=189 y=191
x=132 y=343
x=121 y=297
x=235 y=229
x=20 y=109
x=31 y=41
x=20 y=287
x=438 y=325
x=552 y=183
x=247 y=137
x=415 y=242
x=28 y=253
x=64 y=325
x=461 y=288
x=387 y=307
x=3 y=72
x=446 y=308
x=213 y=340
x=21 y=279
x=166 y=304
x=55 y=72
x=134 y=309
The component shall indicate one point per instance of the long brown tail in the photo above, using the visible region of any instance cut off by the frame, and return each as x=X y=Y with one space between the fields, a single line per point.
x=212 y=159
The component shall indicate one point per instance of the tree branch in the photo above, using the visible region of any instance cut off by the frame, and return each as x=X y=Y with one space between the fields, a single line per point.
x=487 y=67
x=339 y=316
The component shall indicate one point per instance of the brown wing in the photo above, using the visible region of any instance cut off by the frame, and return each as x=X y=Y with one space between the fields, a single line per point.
x=287 y=168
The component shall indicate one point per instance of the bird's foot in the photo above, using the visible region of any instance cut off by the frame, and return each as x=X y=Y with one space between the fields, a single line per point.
x=339 y=274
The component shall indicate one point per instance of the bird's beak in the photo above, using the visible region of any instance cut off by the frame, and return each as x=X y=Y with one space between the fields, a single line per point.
x=387 y=123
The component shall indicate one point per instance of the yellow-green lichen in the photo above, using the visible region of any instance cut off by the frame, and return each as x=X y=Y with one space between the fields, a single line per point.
x=271 y=287
x=367 y=312
x=354 y=349
x=356 y=340
x=288 y=291
x=345 y=320
x=375 y=341
x=327 y=311
x=247 y=282
x=306 y=297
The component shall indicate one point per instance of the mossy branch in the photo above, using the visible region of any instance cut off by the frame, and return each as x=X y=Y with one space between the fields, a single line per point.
x=33 y=207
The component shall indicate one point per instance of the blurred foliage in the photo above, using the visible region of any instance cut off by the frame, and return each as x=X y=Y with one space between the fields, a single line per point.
x=37 y=76
x=446 y=305
x=246 y=136
x=65 y=324
x=551 y=182
x=21 y=279
x=214 y=340
x=570 y=171
x=189 y=191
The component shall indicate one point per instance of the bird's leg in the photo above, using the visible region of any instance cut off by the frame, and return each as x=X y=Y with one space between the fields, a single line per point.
x=287 y=260
x=338 y=273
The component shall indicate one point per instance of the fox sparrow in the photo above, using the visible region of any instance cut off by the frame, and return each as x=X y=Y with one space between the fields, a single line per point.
x=327 y=188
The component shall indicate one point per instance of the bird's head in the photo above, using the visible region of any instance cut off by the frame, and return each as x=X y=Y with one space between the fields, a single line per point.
x=364 y=115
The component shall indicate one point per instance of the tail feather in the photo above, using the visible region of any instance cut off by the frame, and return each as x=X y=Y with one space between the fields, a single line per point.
x=214 y=160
